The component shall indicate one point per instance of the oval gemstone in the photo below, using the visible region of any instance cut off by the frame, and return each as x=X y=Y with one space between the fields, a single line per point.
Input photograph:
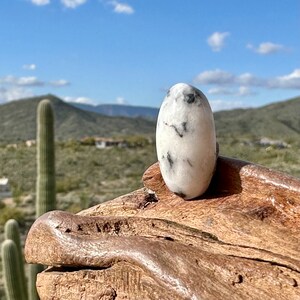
x=186 y=141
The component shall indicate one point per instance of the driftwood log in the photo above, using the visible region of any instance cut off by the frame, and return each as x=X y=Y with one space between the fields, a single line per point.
x=241 y=240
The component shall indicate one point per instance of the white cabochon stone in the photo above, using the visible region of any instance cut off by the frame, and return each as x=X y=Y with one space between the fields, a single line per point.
x=186 y=141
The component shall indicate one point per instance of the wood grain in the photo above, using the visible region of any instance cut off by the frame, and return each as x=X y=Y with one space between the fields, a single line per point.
x=238 y=241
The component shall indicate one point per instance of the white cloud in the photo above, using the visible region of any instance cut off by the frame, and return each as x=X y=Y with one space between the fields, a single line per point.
x=82 y=100
x=118 y=7
x=220 y=91
x=217 y=105
x=241 y=92
x=9 y=79
x=21 y=81
x=121 y=100
x=40 y=2
x=223 y=80
x=29 y=67
x=217 y=40
x=121 y=8
x=248 y=79
x=29 y=81
x=267 y=48
x=245 y=91
x=59 y=83
x=290 y=81
x=14 y=93
x=72 y=3
x=66 y=3
x=215 y=77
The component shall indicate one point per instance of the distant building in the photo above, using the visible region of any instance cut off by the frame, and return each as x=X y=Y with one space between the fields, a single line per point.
x=266 y=142
x=14 y=146
x=4 y=185
x=4 y=188
x=102 y=143
x=30 y=143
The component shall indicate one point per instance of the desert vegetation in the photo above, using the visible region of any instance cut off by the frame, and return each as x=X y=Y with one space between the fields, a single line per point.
x=86 y=175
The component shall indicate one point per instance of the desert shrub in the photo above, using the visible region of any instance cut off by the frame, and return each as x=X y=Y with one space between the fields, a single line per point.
x=73 y=144
x=74 y=208
x=17 y=193
x=137 y=141
x=8 y=212
x=88 y=141
x=67 y=184
x=2 y=205
x=84 y=200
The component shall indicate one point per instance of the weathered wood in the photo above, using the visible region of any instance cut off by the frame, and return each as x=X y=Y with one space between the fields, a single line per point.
x=239 y=241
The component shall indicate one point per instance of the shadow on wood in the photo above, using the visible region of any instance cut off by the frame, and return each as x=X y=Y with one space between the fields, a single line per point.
x=238 y=241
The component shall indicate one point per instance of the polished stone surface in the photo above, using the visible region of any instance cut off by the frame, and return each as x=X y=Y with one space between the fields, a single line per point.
x=186 y=141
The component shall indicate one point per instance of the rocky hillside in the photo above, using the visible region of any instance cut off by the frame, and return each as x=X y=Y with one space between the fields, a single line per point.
x=18 y=121
x=277 y=120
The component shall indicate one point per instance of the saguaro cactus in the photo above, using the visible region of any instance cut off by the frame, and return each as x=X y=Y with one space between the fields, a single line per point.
x=45 y=187
x=45 y=198
x=14 y=288
x=33 y=270
x=12 y=232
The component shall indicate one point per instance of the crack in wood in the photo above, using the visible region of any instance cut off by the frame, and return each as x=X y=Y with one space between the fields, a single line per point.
x=237 y=241
x=273 y=263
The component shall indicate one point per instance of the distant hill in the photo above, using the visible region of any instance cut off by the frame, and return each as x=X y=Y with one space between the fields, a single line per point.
x=18 y=121
x=277 y=120
x=280 y=119
x=120 y=110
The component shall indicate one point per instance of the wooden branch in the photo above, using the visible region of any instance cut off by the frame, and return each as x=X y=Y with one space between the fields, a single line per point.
x=239 y=241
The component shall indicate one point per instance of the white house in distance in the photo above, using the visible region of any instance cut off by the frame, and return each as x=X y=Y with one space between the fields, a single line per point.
x=102 y=143
x=30 y=143
x=266 y=142
x=4 y=188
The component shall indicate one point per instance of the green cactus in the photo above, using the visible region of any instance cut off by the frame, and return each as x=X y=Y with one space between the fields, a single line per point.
x=13 y=262
x=14 y=288
x=45 y=188
x=12 y=232
x=32 y=273
x=46 y=193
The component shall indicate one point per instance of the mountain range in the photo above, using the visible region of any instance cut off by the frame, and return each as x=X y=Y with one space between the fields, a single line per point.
x=276 y=120
x=280 y=119
x=73 y=120
x=119 y=110
x=18 y=121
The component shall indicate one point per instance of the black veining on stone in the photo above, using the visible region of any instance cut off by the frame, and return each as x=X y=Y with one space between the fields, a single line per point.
x=176 y=130
x=191 y=98
x=168 y=93
x=179 y=132
x=170 y=160
x=189 y=163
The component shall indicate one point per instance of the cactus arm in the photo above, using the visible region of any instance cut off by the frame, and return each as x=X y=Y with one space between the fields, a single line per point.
x=11 y=272
x=12 y=232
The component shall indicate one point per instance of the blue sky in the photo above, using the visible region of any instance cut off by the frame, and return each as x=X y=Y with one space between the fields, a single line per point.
x=239 y=53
